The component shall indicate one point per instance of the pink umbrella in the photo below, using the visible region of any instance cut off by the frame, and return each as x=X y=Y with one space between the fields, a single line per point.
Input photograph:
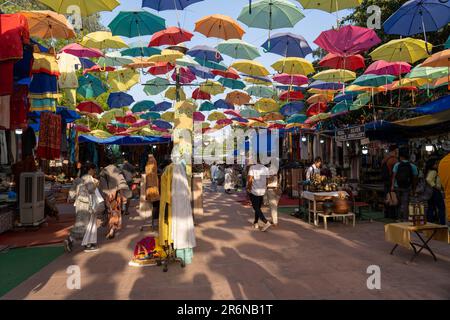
x=198 y=116
x=200 y=95
x=382 y=67
x=140 y=123
x=79 y=51
x=186 y=75
x=347 y=40
x=97 y=68
x=295 y=79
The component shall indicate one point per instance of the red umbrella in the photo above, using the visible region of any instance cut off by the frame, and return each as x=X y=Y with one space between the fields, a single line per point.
x=277 y=126
x=291 y=96
x=97 y=68
x=82 y=128
x=335 y=61
x=232 y=113
x=161 y=68
x=79 y=51
x=382 y=67
x=316 y=108
x=198 y=116
x=186 y=75
x=89 y=107
x=200 y=95
x=128 y=119
x=170 y=36
x=115 y=130
x=229 y=73
x=224 y=122
x=295 y=79
x=140 y=123
x=347 y=40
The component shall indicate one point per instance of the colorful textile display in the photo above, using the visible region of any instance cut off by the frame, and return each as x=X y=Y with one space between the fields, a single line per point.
x=5 y=104
x=165 y=208
x=44 y=86
x=15 y=33
x=6 y=78
x=43 y=105
x=49 y=146
x=151 y=179
x=19 y=107
x=68 y=66
x=45 y=63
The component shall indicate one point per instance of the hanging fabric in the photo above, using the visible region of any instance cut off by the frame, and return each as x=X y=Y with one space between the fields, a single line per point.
x=165 y=209
x=3 y=148
x=49 y=146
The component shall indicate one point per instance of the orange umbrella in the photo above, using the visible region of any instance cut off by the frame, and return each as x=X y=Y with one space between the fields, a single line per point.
x=320 y=97
x=219 y=26
x=238 y=98
x=273 y=116
x=140 y=63
x=440 y=59
x=47 y=24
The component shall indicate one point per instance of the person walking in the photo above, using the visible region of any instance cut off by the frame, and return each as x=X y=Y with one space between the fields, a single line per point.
x=444 y=176
x=256 y=188
x=404 y=181
x=387 y=166
x=229 y=179
x=214 y=171
x=436 y=203
x=273 y=195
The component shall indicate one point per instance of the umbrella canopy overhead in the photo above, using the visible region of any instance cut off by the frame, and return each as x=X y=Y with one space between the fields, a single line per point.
x=47 y=24
x=185 y=75
x=161 y=5
x=323 y=85
x=123 y=80
x=439 y=59
x=156 y=86
x=90 y=86
x=382 y=67
x=291 y=96
x=293 y=66
x=89 y=107
x=79 y=51
x=162 y=106
x=250 y=67
x=232 y=84
x=207 y=106
x=266 y=105
x=271 y=14
x=140 y=49
x=316 y=109
x=297 y=118
x=203 y=72
x=330 y=5
x=86 y=7
x=371 y=80
x=428 y=72
x=119 y=100
x=418 y=16
x=212 y=87
x=142 y=106
x=238 y=49
x=347 y=40
x=170 y=36
x=223 y=104
x=335 y=61
x=261 y=91
x=335 y=75
x=167 y=55
x=238 y=98
x=288 y=45
x=406 y=50
x=205 y=53
x=292 y=108
x=219 y=26
x=295 y=79
x=103 y=40
x=200 y=95
x=114 y=59
x=137 y=23
x=160 y=68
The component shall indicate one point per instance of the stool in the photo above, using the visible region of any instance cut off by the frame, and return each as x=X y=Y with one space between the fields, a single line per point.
x=344 y=216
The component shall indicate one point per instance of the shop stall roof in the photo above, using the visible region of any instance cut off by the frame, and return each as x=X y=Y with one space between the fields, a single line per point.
x=124 y=140
x=436 y=106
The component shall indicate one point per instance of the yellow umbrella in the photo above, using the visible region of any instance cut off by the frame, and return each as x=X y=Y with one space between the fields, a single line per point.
x=171 y=94
x=167 y=55
x=295 y=125
x=205 y=125
x=267 y=105
x=168 y=116
x=320 y=91
x=219 y=26
x=214 y=116
x=355 y=88
x=293 y=65
x=256 y=124
x=103 y=40
x=320 y=97
x=212 y=87
x=335 y=75
x=100 y=134
x=319 y=117
x=140 y=63
x=440 y=59
x=187 y=107
x=47 y=24
x=410 y=82
x=250 y=67
x=123 y=80
x=330 y=5
x=149 y=132
x=83 y=7
x=238 y=98
x=273 y=116
x=407 y=50
x=258 y=81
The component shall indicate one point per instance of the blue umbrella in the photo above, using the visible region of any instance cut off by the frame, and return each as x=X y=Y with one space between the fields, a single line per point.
x=202 y=72
x=264 y=79
x=240 y=119
x=162 y=106
x=162 y=5
x=288 y=45
x=418 y=16
x=142 y=106
x=162 y=124
x=322 y=85
x=292 y=108
x=86 y=63
x=348 y=96
x=222 y=104
x=136 y=24
x=205 y=53
x=119 y=99
x=232 y=84
x=293 y=88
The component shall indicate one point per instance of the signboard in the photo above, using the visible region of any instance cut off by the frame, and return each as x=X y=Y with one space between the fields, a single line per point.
x=353 y=133
x=365 y=141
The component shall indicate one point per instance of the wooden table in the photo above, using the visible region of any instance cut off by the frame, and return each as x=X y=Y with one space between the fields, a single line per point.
x=313 y=197
x=400 y=235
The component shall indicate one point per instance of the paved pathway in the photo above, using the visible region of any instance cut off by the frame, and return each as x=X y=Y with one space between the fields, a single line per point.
x=233 y=261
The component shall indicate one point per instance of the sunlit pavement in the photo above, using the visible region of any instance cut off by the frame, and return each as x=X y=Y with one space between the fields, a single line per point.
x=234 y=261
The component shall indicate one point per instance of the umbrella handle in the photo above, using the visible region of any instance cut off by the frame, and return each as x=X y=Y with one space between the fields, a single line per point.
x=249 y=6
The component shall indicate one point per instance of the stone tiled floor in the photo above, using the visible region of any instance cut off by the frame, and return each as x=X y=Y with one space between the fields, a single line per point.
x=233 y=261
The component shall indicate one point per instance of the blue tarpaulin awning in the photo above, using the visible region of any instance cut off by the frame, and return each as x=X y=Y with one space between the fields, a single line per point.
x=436 y=106
x=124 y=140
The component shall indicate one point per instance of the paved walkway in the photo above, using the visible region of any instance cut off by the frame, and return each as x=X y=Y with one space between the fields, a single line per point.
x=233 y=261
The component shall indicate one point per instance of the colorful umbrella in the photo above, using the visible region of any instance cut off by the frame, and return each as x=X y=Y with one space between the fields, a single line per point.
x=288 y=45
x=291 y=96
x=325 y=98
x=203 y=72
x=174 y=94
x=439 y=59
x=297 y=118
x=293 y=65
x=362 y=100
x=238 y=98
x=137 y=23
x=168 y=116
x=167 y=56
x=219 y=26
x=139 y=63
x=187 y=61
x=212 y=87
x=162 y=124
x=318 y=117
x=316 y=108
x=238 y=49
x=406 y=50
x=372 y=80
x=250 y=67
x=249 y=113
x=86 y=7
x=382 y=67
x=215 y=116
x=200 y=95
x=347 y=40
x=170 y=36
x=428 y=72
x=341 y=108
x=47 y=24
x=185 y=75
x=411 y=82
x=273 y=116
x=260 y=91
x=90 y=86
x=123 y=80
x=140 y=49
x=114 y=59
x=294 y=79
x=323 y=85
x=150 y=115
x=230 y=73
x=292 y=108
x=335 y=61
x=271 y=14
x=161 y=68
x=205 y=53
x=119 y=100
x=162 y=106
x=330 y=5
x=347 y=96
x=207 y=106
x=232 y=84
x=161 y=5
x=335 y=75
x=143 y=106
x=266 y=105
x=103 y=40
x=198 y=116
x=89 y=107
x=78 y=50
x=223 y=104
x=211 y=64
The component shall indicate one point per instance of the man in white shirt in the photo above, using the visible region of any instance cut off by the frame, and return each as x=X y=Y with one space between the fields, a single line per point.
x=214 y=169
x=256 y=188
x=314 y=169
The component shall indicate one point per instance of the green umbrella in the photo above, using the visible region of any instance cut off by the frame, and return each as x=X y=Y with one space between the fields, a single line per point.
x=114 y=59
x=249 y=113
x=260 y=91
x=109 y=115
x=140 y=49
x=297 y=118
x=428 y=72
x=207 y=106
x=136 y=23
x=238 y=49
x=232 y=84
x=362 y=100
x=341 y=107
x=187 y=61
x=211 y=64
x=156 y=86
x=90 y=86
x=372 y=80
x=142 y=106
x=271 y=14
x=151 y=115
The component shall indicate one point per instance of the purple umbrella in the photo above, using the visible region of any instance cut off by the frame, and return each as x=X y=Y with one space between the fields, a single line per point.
x=162 y=106
x=222 y=104
x=205 y=53
x=292 y=108
x=162 y=5
x=162 y=124
x=202 y=72
x=322 y=85
x=288 y=45
x=347 y=40
x=198 y=116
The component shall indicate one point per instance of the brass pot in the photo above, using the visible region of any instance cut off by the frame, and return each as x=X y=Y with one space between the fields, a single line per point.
x=341 y=206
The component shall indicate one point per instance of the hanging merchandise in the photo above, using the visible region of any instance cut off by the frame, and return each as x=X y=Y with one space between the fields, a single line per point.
x=49 y=146
x=19 y=107
x=3 y=148
x=39 y=105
